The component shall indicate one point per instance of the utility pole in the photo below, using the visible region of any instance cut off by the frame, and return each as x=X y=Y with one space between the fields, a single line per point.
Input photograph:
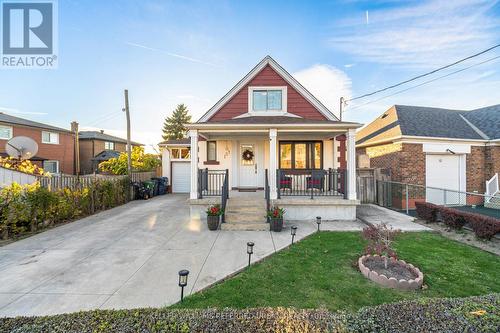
x=74 y=129
x=341 y=105
x=129 y=145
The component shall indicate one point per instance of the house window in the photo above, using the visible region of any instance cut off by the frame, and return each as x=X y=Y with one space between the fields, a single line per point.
x=267 y=99
x=51 y=166
x=180 y=153
x=5 y=132
x=109 y=145
x=211 y=151
x=301 y=155
x=50 y=137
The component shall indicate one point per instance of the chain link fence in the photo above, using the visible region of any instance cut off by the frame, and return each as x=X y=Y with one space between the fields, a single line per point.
x=402 y=197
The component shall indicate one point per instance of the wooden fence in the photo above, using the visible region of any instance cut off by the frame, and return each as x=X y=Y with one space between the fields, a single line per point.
x=60 y=181
x=8 y=176
x=366 y=183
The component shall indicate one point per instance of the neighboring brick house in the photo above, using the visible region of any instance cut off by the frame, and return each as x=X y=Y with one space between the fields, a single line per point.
x=452 y=149
x=96 y=147
x=56 y=146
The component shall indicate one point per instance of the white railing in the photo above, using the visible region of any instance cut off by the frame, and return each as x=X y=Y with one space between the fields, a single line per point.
x=492 y=187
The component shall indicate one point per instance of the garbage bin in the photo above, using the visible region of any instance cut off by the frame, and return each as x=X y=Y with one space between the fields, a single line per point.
x=162 y=185
x=156 y=186
x=150 y=188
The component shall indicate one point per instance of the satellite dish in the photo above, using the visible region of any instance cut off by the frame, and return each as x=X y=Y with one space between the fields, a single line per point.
x=21 y=147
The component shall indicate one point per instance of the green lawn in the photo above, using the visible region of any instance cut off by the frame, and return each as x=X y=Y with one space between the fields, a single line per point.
x=320 y=272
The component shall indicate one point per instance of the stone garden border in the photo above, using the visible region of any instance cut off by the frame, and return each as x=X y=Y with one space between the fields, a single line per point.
x=383 y=280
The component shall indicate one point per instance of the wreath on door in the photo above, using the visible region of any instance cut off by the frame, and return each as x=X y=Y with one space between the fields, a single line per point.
x=247 y=155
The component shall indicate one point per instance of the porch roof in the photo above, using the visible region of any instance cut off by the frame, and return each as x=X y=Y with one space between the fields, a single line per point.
x=267 y=122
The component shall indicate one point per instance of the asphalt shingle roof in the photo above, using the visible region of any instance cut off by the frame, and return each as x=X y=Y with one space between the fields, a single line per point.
x=97 y=135
x=184 y=141
x=6 y=118
x=436 y=122
x=487 y=120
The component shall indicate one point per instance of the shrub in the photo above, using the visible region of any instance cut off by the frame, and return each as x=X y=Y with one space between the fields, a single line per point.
x=484 y=226
x=29 y=207
x=427 y=211
x=380 y=238
x=453 y=218
x=471 y=314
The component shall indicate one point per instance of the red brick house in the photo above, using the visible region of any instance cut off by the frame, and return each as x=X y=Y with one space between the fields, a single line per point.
x=56 y=146
x=442 y=148
x=270 y=134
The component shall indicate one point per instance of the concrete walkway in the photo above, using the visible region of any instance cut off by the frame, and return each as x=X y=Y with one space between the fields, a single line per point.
x=128 y=257
x=374 y=214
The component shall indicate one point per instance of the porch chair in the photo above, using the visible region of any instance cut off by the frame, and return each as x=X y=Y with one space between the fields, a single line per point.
x=285 y=182
x=316 y=180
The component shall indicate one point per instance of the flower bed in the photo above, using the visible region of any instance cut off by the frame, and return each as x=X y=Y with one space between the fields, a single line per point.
x=398 y=274
x=472 y=314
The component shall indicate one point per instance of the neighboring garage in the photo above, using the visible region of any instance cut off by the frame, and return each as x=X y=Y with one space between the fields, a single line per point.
x=176 y=158
x=444 y=171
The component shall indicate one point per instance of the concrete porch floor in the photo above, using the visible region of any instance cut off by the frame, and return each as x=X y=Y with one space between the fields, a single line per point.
x=129 y=257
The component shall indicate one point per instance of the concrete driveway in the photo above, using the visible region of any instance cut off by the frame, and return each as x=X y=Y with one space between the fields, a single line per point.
x=128 y=257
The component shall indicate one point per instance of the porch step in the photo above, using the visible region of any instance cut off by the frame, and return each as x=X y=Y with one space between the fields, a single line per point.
x=245 y=214
x=494 y=202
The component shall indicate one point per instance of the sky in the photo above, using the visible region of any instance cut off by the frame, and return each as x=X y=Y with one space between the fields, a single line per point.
x=193 y=52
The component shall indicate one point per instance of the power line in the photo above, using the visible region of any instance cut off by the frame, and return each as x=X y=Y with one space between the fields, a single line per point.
x=424 y=83
x=423 y=75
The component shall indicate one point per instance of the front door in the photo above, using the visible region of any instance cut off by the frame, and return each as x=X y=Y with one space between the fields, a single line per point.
x=248 y=165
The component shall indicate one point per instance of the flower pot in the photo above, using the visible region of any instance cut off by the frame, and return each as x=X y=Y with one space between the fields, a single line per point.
x=213 y=222
x=276 y=224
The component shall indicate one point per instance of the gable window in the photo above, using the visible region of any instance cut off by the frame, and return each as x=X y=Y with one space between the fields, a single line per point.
x=51 y=166
x=267 y=99
x=180 y=153
x=109 y=145
x=5 y=132
x=50 y=137
x=211 y=151
x=301 y=155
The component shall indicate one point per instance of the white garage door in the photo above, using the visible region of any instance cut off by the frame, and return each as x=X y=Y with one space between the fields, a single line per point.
x=181 y=177
x=445 y=172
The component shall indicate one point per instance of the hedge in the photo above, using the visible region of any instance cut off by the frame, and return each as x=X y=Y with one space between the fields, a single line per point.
x=472 y=314
x=483 y=226
x=427 y=211
x=31 y=207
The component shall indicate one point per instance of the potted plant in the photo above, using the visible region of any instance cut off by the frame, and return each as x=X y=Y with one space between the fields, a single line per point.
x=213 y=216
x=275 y=215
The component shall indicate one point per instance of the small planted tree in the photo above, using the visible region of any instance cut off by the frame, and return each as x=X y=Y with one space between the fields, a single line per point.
x=380 y=239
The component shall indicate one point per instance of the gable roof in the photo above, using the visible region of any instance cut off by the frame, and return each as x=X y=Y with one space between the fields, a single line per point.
x=264 y=120
x=98 y=135
x=479 y=124
x=284 y=74
x=434 y=122
x=6 y=118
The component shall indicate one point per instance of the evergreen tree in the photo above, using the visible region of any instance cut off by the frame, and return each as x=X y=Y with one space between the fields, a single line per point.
x=173 y=127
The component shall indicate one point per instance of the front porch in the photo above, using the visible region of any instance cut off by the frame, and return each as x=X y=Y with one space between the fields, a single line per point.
x=308 y=169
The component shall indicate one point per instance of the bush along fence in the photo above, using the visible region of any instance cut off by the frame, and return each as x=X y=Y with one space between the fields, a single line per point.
x=28 y=208
x=483 y=226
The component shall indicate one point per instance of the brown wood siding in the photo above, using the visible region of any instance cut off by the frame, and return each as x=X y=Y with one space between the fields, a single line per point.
x=296 y=103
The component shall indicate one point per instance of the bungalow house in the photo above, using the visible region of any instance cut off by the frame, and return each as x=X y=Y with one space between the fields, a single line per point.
x=56 y=146
x=270 y=141
x=449 y=149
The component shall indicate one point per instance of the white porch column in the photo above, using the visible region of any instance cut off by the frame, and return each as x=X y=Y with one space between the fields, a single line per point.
x=193 y=134
x=351 y=164
x=273 y=162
